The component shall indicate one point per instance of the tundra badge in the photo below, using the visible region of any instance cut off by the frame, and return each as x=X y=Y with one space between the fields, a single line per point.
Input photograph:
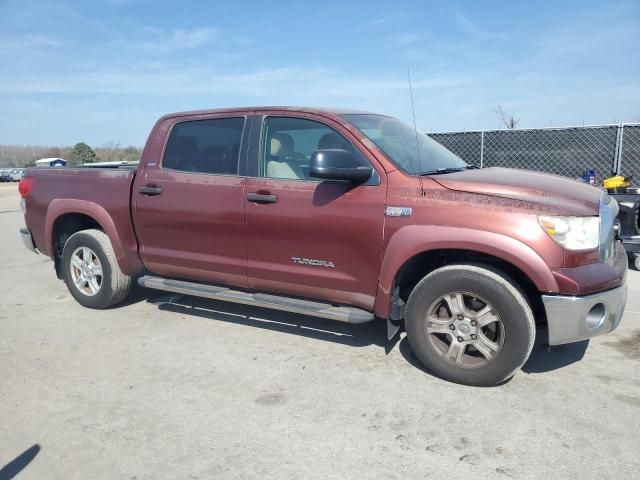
x=312 y=261
x=398 y=211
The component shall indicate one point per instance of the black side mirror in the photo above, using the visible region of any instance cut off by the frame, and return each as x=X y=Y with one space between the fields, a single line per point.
x=336 y=164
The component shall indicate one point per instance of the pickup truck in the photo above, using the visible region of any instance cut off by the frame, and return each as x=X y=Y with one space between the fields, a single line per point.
x=345 y=215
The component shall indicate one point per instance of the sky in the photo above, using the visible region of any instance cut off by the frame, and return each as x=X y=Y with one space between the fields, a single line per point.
x=103 y=71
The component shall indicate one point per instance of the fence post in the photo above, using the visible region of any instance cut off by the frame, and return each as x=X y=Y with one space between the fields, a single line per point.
x=481 y=148
x=619 y=170
x=617 y=156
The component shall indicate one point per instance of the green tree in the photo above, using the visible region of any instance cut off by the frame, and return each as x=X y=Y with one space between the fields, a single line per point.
x=82 y=153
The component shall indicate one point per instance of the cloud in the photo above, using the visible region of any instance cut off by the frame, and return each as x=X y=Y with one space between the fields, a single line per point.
x=406 y=39
x=28 y=42
x=117 y=72
x=471 y=28
x=377 y=22
x=284 y=81
x=180 y=40
x=396 y=18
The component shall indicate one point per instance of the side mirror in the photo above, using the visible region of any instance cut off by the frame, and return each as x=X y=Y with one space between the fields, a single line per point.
x=336 y=164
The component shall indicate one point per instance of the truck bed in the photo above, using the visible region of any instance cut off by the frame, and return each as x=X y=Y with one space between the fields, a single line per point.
x=102 y=193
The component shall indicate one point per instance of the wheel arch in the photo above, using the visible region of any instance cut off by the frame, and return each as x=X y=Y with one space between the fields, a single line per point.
x=405 y=259
x=66 y=217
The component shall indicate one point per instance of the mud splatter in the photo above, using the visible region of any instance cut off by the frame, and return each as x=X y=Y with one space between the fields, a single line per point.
x=606 y=379
x=271 y=399
x=629 y=400
x=506 y=472
x=629 y=346
x=462 y=443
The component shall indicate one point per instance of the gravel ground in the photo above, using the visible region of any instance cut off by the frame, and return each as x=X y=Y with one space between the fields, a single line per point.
x=167 y=387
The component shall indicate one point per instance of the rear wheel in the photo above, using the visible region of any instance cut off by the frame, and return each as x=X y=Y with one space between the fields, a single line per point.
x=91 y=271
x=470 y=324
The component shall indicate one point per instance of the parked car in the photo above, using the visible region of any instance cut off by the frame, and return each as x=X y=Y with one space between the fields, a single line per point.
x=344 y=215
x=16 y=175
x=51 y=162
x=5 y=176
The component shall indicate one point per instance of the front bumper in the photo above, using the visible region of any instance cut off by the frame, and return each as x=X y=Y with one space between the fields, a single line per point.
x=27 y=239
x=575 y=318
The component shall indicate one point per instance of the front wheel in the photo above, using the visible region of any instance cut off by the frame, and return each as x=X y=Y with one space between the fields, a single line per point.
x=469 y=324
x=91 y=272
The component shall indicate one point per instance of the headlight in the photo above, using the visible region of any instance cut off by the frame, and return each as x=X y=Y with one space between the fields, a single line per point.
x=573 y=233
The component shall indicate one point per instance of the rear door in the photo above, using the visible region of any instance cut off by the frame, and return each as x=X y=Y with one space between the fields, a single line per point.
x=189 y=206
x=311 y=238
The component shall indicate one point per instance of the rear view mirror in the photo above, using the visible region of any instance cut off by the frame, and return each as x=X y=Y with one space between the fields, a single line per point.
x=336 y=164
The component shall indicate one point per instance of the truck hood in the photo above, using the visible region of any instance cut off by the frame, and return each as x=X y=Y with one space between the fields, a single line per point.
x=562 y=194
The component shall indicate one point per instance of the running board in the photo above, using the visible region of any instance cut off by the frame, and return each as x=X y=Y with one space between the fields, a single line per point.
x=294 y=305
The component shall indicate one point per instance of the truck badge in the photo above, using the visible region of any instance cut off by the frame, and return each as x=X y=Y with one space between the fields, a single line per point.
x=312 y=261
x=398 y=211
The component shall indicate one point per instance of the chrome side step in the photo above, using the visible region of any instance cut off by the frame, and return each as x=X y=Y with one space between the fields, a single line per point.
x=294 y=305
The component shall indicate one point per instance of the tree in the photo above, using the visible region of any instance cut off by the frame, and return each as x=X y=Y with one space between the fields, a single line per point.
x=131 y=154
x=82 y=153
x=509 y=121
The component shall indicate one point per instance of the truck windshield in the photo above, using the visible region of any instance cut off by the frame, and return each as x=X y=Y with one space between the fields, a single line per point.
x=412 y=151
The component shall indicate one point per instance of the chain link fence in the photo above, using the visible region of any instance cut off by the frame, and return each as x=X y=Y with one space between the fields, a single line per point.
x=629 y=158
x=467 y=145
x=565 y=151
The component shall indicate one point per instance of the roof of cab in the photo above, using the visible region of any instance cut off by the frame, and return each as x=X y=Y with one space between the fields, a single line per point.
x=318 y=110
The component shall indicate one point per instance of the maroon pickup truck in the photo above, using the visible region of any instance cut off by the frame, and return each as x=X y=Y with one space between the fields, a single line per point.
x=345 y=215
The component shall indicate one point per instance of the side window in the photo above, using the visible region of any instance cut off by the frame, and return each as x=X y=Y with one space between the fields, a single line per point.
x=287 y=145
x=205 y=146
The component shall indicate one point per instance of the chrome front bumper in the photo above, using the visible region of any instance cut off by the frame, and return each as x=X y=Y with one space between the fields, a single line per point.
x=573 y=318
x=27 y=239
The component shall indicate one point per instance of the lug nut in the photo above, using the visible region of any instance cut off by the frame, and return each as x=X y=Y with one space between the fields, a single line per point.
x=460 y=339
x=452 y=327
x=460 y=317
x=473 y=323
x=473 y=337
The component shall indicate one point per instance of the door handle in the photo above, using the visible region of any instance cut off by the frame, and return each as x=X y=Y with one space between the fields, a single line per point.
x=257 y=198
x=150 y=190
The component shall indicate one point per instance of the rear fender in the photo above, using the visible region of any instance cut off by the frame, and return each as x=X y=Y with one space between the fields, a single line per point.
x=59 y=207
x=415 y=239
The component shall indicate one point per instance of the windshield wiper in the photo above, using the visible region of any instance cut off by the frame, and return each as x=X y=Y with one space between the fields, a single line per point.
x=442 y=170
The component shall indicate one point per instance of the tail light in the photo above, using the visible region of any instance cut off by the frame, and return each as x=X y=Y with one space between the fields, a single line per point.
x=25 y=186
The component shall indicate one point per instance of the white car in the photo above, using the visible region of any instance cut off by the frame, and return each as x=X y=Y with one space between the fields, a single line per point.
x=16 y=175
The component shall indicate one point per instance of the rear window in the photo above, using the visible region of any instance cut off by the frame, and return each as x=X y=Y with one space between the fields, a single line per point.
x=205 y=146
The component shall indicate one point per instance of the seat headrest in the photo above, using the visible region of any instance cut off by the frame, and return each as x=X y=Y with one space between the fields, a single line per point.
x=333 y=140
x=281 y=145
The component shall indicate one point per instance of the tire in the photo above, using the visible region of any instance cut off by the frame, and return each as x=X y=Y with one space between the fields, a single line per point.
x=487 y=341
x=636 y=262
x=105 y=289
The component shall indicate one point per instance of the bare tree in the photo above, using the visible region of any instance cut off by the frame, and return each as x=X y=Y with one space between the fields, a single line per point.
x=508 y=120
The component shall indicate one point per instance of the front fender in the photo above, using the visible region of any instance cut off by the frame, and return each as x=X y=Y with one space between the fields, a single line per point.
x=412 y=240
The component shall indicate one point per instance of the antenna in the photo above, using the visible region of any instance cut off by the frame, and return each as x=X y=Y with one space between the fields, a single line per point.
x=413 y=110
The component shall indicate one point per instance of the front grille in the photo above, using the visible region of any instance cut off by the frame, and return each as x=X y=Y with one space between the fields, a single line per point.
x=608 y=214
